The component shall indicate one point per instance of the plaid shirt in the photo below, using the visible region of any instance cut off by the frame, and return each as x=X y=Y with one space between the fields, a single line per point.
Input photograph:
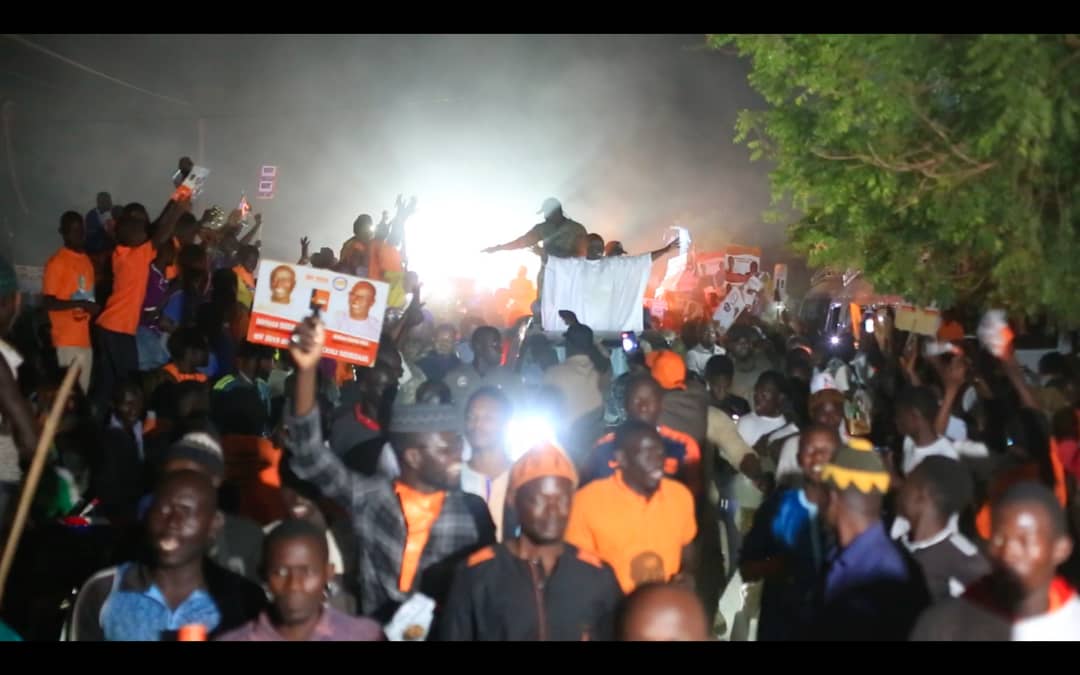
x=463 y=526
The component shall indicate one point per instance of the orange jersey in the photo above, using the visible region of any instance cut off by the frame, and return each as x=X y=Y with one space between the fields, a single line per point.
x=69 y=275
x=641 y=538
x=131 y=271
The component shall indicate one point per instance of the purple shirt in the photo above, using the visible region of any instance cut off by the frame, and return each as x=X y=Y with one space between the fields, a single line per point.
x=333 y=626
x=156 y=285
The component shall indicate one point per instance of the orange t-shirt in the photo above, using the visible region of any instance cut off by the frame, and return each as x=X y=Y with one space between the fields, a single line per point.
x=69 y=275
x=252 y=464
x=642 y=539
x=245 y=286
x=383 y=258
x=421 y=510
x=131 y=271
x=351 y=247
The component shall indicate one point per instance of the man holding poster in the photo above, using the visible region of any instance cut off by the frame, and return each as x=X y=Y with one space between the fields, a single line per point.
x=285 y=294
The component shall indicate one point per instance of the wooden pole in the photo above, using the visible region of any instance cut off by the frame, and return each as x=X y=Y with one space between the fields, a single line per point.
x=34 y=475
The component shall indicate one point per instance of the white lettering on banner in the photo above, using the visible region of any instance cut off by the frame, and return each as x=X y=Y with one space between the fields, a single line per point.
x=274 y=324
x=348 y=339
x=361 y=359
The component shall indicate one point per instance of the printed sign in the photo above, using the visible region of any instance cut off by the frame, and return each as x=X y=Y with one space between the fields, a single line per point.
x=267 y=181
x=730 y=309
x=352 y=309
x=192 y=185
x=780 y=281
x=31 y=279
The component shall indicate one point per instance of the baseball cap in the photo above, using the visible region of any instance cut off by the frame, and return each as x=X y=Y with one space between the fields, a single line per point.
x=550 y=204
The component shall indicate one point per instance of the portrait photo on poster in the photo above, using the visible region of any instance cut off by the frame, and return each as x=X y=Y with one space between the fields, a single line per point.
x=351 y=307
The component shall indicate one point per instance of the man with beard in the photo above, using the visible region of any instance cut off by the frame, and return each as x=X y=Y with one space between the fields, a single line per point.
x=412 y=531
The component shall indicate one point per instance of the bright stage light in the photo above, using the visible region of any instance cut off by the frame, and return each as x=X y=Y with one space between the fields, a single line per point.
x=445 y=238
x=525 y=432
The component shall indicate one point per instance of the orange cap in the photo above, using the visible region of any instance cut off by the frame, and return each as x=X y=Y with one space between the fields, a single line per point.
x=192 y=632
x=668 y=368
x=539 y=462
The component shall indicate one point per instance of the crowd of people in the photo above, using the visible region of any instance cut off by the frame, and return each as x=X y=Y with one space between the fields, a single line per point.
x=494 y=482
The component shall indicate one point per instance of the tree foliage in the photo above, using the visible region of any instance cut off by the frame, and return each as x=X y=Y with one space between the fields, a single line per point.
x=946 y=167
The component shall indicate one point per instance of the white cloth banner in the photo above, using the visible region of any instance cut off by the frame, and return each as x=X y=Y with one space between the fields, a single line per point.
x=606 y=295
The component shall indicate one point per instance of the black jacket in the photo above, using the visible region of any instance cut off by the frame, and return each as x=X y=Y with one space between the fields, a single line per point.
x=497 y=596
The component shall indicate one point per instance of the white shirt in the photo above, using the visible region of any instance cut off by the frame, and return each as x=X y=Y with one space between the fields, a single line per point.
x=913 y=455
x=491 y=490
x=753 y=426
x=369 y=329
x=956 y=431
x=1061 y=625
x=9 y=453
x=697 y=357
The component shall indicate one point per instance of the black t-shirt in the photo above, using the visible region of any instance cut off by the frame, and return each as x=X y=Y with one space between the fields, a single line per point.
x=494 y=598
x=560 y=236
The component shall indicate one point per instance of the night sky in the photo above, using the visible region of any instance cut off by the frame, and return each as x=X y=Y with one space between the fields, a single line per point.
x=632 y=133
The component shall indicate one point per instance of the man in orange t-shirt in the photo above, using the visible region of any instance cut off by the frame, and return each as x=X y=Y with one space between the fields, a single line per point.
x=68 y=289
x=247 y=260
x=116 y=353
x=637 y=521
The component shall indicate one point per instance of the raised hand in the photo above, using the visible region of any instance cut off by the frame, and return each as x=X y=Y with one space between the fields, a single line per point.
x=307 y=344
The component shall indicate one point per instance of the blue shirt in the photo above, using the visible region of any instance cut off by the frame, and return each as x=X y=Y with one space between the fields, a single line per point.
x=873 y=590
x=786 y=526
x=144 y=616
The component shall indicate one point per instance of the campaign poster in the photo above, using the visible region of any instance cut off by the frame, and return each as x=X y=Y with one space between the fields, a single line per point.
x=352 y=309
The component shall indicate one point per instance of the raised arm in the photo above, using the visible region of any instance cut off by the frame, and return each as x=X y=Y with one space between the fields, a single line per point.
x=661 y=252
x=530 y=238
x=722 y=432
x=395 y=235
x=311 y=459
x=166 y=222
x=305 y=258
x=250 y=236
